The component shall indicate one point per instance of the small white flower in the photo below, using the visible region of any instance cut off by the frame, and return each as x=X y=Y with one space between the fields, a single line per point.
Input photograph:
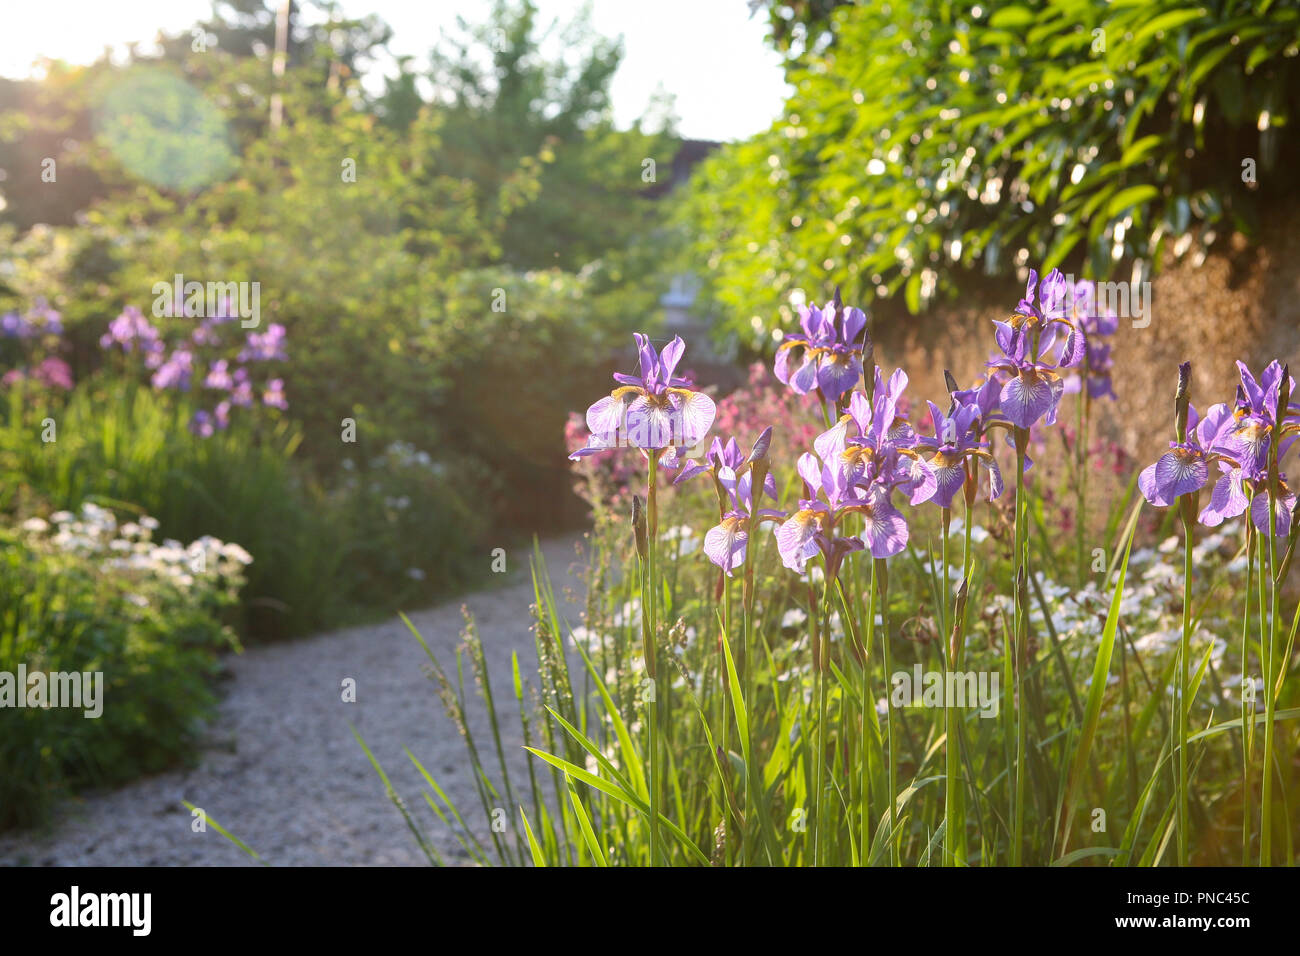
x=1157 y=641
x=235 y=553
x=814 y=574
x=629 y=614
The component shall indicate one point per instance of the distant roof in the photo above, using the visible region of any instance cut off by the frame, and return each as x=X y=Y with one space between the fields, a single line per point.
x=689 y=152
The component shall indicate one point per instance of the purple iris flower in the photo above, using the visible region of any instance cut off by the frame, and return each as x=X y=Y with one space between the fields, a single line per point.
x=1257 y=421
x=1245 y=447
x=14 y=326
x=810 y=531
x=1239 y=442
x=869 y=495
x=955 y=443
x=868 y=454
x=201 y=424
x=274 y=395
x=652 y=411
x=720 y=456
x=51 y=320
x=1185 y=468
x=242 y=392
x=875 y=441
x=129 y=329
x=884 y=528
x=868 y=426
x=985 y=395
x=176 y=371
x=219 y=376
x=830 y=355
x=265 y=347
x=726 y=543
x=1082 y=309
x=1034 y=389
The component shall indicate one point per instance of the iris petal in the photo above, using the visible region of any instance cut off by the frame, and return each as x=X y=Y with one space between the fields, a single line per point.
x=796 y=540
x=1030 y=396
x=605 y=416
x=884 y=531
x=697 y=412
x=725 y=544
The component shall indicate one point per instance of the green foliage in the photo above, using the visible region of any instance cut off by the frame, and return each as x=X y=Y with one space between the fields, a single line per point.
x=324 y=555
x=922 y=140
x=155 y=639
x=535 y=137
x=162 y=130
x=380 y=230
x=121 y=442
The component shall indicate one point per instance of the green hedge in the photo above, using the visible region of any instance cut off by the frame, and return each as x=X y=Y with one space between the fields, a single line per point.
x=927 y=137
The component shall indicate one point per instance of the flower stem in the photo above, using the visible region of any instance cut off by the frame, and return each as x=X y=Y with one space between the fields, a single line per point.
x=881 y=573
x=867 y=633
x=1184 y=652
x=1021 y=627
x=1270 y=646
x=952 y=781
x=1247 y=709
x=1081 y=480
x=748 y=661
x=649 y=605
x=819 y=662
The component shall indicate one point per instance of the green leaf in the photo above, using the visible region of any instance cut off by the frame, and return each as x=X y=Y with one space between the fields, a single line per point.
x=1011 y=18
x=1127 y=198
x=1097 y=689
x=539 y=858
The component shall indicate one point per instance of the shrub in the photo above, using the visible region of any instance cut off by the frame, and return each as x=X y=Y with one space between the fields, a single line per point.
x=924 y=138
x=87 y=594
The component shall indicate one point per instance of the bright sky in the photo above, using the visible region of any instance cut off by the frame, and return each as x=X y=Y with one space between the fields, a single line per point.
x=710 y=54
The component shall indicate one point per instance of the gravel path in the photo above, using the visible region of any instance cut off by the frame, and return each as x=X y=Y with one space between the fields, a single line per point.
x=280 y=768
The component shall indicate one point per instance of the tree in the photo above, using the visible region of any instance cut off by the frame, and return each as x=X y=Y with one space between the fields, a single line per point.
x=534 y=134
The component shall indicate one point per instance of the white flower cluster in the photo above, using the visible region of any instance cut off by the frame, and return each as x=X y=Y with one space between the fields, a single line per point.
x=95 y=532
x=1150 y=609
x=682 y=537
x=406 y=455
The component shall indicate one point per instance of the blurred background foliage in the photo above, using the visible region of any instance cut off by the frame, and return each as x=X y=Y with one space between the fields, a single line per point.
x=444 y=263
x=925 y=140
